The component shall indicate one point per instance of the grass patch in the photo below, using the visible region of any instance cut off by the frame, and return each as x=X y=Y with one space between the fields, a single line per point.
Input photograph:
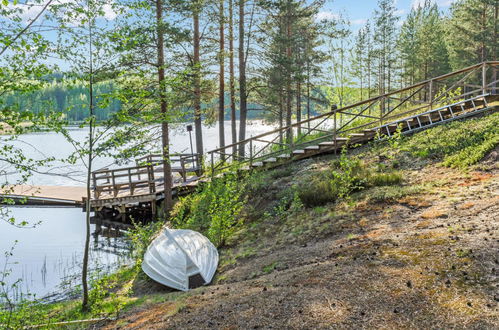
x=458 y=144
x=345 y=176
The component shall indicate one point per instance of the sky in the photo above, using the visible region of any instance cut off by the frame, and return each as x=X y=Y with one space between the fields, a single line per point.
x=358 y=11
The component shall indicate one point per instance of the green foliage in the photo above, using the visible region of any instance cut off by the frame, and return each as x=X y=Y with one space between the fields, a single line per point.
x=214 y=210
x=270 y=268
x=140 y=237
x=67 y=97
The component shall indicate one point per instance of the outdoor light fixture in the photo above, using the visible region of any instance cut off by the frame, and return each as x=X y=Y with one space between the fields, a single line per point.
x=189 y=129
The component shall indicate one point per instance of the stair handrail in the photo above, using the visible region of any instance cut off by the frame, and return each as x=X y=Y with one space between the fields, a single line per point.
x=226 y=153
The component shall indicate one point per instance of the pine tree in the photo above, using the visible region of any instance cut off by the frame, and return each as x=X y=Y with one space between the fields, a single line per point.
x=384 y=49
x=472 y=32
x=359 y=59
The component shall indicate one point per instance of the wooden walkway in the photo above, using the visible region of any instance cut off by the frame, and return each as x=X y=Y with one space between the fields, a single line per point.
x=45 y=195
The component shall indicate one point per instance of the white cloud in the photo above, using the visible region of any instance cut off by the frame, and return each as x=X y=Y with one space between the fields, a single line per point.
x=440 y=3
x=29 y=10
x=359 y=21
x=326 y=16
x=399 y=12
x=109 y=12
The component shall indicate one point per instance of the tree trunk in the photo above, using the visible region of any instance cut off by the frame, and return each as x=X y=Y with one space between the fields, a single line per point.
x=84 y=271
x=289 y=133
x=494 y=49
x=221 y=96
x=167 y=175
x=232 y=80
x=281 y=113
x=308 y=93
x=197 y=84
x=242 y=80
x=298 y=105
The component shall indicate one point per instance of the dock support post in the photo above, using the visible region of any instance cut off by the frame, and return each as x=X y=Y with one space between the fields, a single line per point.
x=153 y=209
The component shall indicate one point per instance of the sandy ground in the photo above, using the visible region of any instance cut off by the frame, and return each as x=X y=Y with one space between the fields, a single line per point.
x=429 y=261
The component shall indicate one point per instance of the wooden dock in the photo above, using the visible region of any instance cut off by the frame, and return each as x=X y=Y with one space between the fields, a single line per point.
x=45 y=195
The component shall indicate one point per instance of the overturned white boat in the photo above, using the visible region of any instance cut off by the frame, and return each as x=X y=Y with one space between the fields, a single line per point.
x=181 y=259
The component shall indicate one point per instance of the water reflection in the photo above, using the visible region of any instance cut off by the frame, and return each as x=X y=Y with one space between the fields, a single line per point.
x=48 y=258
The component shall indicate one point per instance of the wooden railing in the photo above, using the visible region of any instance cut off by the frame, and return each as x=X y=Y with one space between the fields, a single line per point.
x=180 y=163
x=144 y=178
x=469 y=82
x=127 y=180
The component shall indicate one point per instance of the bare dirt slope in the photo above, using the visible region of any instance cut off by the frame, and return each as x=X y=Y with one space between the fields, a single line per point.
x=428 y=260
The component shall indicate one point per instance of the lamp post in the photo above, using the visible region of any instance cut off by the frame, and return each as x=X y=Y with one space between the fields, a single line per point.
x=189 y=129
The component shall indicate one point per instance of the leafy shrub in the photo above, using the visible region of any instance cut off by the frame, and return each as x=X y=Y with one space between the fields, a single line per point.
x=213 y=210
x=317 y=191
x=348 y=175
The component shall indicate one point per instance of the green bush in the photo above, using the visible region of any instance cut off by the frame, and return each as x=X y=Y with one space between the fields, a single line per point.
x=317 y=191
x=213 y=210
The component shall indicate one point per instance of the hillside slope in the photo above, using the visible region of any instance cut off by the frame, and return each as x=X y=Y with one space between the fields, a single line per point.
x=413 y=243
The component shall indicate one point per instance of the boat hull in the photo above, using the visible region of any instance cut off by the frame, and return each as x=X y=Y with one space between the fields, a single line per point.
x=181 y=259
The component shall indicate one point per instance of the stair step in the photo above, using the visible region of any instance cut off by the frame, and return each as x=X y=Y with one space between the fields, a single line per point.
x=284 y=156
x=330 y=144
x=356 y=134
x=298 y=152
x=312 y=148
x=270 y=160
x=257 y=164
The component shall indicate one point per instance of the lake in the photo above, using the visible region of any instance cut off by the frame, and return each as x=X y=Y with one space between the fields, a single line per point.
x=48 y=144
x=47 y=258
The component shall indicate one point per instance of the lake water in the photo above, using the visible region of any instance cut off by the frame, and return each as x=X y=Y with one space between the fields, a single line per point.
x=49 y=144
x=47 y=258
x=51 y=253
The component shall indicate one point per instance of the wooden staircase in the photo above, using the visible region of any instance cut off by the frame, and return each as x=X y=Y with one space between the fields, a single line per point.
x=408 y=125
x=464 y=93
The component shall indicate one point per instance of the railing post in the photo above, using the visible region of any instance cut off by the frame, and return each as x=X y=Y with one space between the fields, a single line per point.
x=251 y=152
x=130 y=186
x=152 y=184
x=430 y=96
x=212 y=164
x=115 y=191
x=184 y=171
x=484 y=77
x=333 y=108
x=381 y=114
